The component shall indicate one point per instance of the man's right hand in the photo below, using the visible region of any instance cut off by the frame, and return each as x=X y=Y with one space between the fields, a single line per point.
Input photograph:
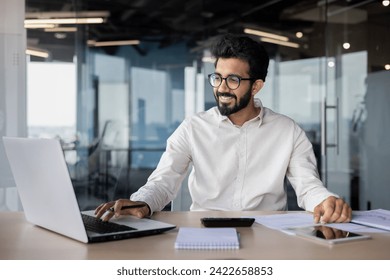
x=103 y=210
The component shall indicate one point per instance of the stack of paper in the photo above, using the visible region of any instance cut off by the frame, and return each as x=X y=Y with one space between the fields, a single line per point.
x=378 y=218
x=207 y=238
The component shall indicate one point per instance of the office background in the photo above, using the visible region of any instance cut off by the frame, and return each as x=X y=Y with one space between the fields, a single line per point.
x=113 y=91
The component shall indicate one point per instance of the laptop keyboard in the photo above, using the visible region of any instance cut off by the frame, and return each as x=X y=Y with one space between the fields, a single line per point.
x=99 y=226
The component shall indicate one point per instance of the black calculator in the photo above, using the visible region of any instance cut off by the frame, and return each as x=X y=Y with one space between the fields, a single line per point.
x=227 y=222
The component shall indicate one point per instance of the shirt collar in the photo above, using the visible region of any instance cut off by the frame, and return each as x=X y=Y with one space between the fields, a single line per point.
x=260 y=117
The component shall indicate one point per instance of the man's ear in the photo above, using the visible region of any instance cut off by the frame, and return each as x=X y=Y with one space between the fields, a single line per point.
x=257 y=86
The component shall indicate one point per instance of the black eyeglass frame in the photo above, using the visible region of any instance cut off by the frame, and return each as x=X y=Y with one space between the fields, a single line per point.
x=226 y=80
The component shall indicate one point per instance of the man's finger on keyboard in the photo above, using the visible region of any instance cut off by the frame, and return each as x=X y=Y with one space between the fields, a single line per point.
x=108 y=216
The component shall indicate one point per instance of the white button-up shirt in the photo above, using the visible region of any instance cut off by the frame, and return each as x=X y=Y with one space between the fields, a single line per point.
x=236 y=168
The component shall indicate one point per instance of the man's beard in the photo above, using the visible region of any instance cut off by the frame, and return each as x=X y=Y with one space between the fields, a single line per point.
x=224 y=108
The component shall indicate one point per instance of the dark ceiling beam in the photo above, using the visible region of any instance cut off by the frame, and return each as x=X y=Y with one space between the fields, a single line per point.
x=260 y=7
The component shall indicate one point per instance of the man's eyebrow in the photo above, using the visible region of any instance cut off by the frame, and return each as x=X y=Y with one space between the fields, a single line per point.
x=230 y=74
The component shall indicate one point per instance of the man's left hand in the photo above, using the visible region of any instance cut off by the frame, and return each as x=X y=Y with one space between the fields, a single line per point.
x=332 y=210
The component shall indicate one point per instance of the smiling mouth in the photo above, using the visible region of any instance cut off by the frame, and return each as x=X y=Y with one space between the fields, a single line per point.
x=225 y=98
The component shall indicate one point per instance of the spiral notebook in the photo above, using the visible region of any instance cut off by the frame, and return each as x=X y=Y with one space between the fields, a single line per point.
x=207 y=238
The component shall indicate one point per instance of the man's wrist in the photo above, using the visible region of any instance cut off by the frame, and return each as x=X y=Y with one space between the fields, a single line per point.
x=147 y=205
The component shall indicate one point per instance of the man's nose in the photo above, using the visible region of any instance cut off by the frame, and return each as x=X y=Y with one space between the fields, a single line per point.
x=223 y=86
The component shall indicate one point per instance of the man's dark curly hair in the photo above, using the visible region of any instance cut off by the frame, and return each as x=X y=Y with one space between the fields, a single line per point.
x=244 y=48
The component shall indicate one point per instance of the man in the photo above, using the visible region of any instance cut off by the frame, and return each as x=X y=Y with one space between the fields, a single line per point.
x=240 y=151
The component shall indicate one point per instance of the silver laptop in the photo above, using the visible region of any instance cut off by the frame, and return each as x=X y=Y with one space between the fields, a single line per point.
x=48 y=198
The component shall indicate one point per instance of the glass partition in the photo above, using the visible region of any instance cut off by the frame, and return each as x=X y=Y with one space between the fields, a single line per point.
x=357 y=99
x=122 y=102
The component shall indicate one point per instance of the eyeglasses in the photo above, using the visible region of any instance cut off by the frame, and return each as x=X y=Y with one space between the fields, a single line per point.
x=232 y=81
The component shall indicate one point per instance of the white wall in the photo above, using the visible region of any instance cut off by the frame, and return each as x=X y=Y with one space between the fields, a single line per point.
x=12 y=91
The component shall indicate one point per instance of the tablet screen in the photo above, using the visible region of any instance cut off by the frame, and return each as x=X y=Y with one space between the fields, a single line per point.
x=328 y=234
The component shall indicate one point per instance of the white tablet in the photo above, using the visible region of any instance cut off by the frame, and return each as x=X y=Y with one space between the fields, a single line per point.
x=327 y=234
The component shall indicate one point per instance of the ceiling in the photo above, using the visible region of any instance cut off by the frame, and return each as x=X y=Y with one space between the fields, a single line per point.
x=167 y=22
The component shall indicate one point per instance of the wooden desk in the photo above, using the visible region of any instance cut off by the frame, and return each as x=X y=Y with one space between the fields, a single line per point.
x=22 y=240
